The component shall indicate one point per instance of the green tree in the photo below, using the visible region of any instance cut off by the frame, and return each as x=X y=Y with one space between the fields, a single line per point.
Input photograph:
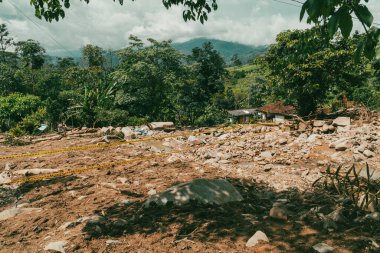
x=92 y=56
x=66 y=62
x=147 y=77
x=32 y=54
x=5 y=43
x=304 y=67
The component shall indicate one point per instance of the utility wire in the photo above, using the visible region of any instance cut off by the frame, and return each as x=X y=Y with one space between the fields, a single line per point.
x=39 y=27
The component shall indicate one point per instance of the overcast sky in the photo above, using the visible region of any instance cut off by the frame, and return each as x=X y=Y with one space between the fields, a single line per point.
x=107 y=24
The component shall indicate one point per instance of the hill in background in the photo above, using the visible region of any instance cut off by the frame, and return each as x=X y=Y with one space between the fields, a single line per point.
x=225 y=48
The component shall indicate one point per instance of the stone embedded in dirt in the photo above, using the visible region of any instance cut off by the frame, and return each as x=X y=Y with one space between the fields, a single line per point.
x=368 y=153
x=373 y=217
x=9 y=213
x=57 y=246
x=323 y=248
x=341 y=129
x=342 y=146
x=128 y=133
x=256 y=238
x=282 y=141
x=318 y=123
x=268 y=167
x=111 y=242
x=5 y=177
x=338 y=216
x=266 y=154
x=152 y=192
x=204 y=191
x=278 y=213
x=342 y=121
x=28 y=172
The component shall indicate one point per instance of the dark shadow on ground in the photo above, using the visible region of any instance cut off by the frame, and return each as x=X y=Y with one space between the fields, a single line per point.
x=207 y=223
x=9 y=195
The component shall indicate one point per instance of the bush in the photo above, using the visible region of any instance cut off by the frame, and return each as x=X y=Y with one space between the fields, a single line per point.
x=211 y=117
x=15 y=107
x=31 y=122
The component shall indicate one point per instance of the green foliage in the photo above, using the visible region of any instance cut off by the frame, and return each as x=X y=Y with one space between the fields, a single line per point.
x=303 y=67
x=211 y=116
x=55 y=9
x=363 y=190
x=31 y=122
x=32 y=54
x=93 y=56
x=338 y=14
x=15 y=107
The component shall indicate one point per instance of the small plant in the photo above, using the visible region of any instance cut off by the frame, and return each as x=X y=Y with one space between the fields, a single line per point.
x=363 y=191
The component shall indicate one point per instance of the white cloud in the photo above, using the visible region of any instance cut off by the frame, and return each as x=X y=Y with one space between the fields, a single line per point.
x=109 y=25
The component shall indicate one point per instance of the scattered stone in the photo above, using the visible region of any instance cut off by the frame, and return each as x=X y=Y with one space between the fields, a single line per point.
x=342 y=121
x=323 y=248
x=57 y=246
x=318 y=123
x=338 y=216
x=279 y=213
x=368 y=153
x=152 y=192
x=266 y=154
x=268 y=167
x=282 y=141
x=128 y=133
x=256 y=238
x=111 y=242
x=342 y=146
x=214 y=191
x=9 y=213
x=28 y=172
x=161 y=126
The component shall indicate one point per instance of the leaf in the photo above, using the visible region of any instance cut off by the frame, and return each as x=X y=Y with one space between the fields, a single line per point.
x=364 y=15
x=332 y=25
x=345 y=21
x=303 y=10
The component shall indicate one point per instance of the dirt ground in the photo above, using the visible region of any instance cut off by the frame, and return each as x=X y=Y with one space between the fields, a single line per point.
x=113 y=198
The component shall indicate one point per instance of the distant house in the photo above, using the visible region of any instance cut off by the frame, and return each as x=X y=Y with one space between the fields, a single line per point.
x=244 y=115
x=277 y=111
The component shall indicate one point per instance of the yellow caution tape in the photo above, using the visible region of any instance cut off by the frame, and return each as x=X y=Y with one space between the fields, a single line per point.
x=138 y=159
x=64 y=150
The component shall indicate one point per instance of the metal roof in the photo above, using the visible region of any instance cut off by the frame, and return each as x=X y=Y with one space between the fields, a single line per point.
x=242 y=112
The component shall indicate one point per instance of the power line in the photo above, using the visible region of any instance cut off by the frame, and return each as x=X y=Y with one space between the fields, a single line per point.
x=39 y=27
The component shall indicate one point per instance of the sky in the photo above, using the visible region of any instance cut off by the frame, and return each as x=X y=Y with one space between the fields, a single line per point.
x=107 y=24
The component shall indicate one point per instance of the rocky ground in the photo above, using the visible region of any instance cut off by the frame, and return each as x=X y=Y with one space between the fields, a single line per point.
x=271 y=170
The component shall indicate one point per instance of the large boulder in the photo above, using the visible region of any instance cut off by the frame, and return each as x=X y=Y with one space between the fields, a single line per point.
x=342 y=121
x=204 y=191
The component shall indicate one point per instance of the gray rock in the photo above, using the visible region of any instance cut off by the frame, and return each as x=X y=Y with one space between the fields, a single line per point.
x=161 y=125
x=279 y=213
x=338 y=216
x=373 y=216
x=282 y=141
x=318 y=123
x=35 y=171
x=368 y=153
x=128 y=133
x=323 y=248
x=9 y=213
x=256 y=238
x=214 y=191
x=342 y=121
x=266 y=154
x=268 y=167
x=342 y=146
x=111 y=242
x=57 y=246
